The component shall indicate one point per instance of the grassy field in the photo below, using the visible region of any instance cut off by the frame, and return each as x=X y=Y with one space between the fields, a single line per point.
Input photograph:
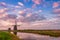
x=8 y=36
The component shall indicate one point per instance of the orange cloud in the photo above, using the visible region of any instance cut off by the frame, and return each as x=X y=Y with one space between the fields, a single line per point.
x=55 y=4
x=37 y=1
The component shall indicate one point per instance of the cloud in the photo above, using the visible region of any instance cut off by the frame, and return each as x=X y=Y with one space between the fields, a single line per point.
x=40 y=10
x=57 y=11
x=3 y=10
x=9 y=19
x=3 y=15
x=37 y=1
x=55 y=4
x=20 y=3
x=4 y=23
x=34 y=6
x=17 y=6
x=53 y=23
x=29 y=15
x=21 y=12
x=20 y=18
x=3 y=4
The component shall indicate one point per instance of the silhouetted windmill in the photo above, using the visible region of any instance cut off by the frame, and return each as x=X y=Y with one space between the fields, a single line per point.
x=15 y=27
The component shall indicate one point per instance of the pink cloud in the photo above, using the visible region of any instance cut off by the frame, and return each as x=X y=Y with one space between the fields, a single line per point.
x=43 y=24
x=17 y=6
x=3 y=10
x=3 y=15
x=37 y=1
x=5 y=23
x=56 y=10
x=21 y=12
x=28 y=15
x=20 y=18
x=55 y=4
x=28 y=10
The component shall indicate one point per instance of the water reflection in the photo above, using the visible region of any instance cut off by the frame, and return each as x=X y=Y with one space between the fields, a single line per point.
x=29 y=36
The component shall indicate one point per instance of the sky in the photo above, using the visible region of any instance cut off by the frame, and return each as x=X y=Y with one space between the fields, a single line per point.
x=30 y=12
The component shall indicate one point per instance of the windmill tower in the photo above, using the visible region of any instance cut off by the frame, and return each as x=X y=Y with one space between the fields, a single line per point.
x=15 y=28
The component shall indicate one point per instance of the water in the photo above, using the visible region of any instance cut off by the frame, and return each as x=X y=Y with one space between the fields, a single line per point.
x=30 y=36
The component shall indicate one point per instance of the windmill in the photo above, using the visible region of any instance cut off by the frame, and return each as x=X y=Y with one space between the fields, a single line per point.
x=14 y=26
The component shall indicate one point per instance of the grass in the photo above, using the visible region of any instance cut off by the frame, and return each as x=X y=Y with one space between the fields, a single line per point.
x=8 y=36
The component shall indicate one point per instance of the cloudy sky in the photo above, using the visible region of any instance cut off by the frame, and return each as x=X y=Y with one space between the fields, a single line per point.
x=30 y=14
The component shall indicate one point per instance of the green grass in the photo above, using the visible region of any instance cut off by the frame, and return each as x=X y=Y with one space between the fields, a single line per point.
x=8 y=36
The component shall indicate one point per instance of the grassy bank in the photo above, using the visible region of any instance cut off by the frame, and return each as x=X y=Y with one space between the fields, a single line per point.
x=8 y=36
